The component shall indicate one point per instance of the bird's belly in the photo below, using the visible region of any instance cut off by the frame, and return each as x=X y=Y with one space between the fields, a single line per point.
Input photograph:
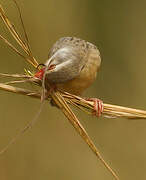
x=80 y=83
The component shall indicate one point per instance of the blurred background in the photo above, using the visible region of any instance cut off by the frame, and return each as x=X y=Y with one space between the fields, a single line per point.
x=52 y=149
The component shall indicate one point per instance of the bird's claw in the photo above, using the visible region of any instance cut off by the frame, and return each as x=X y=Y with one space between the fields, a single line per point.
x=98 y=106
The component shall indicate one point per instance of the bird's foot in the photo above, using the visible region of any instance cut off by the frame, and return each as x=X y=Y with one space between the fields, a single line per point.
x=98 y=106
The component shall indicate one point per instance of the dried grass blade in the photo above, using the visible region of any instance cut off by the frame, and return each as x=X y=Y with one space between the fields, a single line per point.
x=17 y=37
x=61 y=103
x=25 y=34
x=21 y=91
x=120 y=111
x=15 y=75
x=16 y=50
x=12 y=30
x=19 y=81
x=28 y=126
x=23 y=26
x=110 y=111
x=11 y=46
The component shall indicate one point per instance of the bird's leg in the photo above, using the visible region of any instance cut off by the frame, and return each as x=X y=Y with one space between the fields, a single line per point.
x=47 y=91
x=47 y=88
x=98 y=106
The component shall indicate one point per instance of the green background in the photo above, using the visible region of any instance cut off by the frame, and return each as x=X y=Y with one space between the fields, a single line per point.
x=52 y=149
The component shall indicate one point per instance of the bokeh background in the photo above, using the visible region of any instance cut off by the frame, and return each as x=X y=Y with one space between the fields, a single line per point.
x=52 y=149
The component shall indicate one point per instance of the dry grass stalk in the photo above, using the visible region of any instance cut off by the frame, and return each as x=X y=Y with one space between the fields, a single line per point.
x=11 y=28
x=109 y=110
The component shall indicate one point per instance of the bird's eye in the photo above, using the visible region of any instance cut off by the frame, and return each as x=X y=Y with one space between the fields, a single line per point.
x=52 y=66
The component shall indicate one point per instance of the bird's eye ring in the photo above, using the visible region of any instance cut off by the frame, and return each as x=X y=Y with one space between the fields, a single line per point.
x=41 y=64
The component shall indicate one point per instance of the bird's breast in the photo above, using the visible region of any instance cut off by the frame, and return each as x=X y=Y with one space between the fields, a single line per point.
x=86 y=77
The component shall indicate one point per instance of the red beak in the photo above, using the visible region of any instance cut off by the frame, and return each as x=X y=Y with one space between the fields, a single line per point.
x=40 y=73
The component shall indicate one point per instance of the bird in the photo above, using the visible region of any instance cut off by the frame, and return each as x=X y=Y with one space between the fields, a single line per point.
x=72 y=66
